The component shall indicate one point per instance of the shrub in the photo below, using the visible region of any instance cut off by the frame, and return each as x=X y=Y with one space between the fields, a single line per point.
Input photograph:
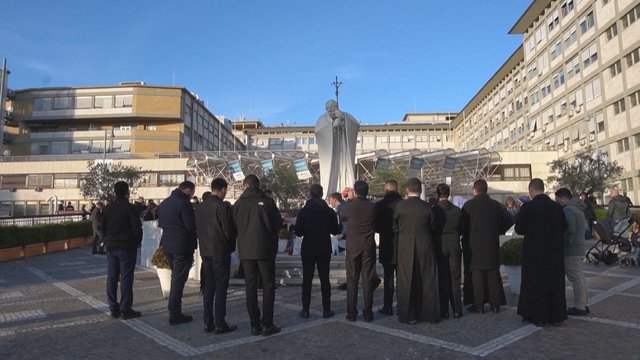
x=159 y=260
x=12 y=235
x=511 y=252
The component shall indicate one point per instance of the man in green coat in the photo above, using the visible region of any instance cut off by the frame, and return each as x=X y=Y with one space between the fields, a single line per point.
x=574 y=249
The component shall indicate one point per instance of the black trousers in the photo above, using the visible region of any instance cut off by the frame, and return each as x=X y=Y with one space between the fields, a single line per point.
x=216 y=282
x=121 y=265
x=389 y=284
x=486 y=280
x=308 y=268
x=360 y=262
x=180 y=266
x=451 y=262
x=254 y=272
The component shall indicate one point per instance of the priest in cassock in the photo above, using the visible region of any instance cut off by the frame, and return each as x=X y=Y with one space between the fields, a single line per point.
x=542 y=222
x=417 y=272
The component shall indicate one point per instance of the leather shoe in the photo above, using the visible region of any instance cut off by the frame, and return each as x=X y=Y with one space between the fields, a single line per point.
x=367 y=317
x=180 y=319
x=457 y=315
x=270 y=330
x=304 y=314
x=351 y=318
x=115 y=314
x=385 y=311
x=209 y=327
x=225 y=329
x=327 y=314
x=475 y=309
x=495 y=309
x=130 y=314
x=256 y=330
x=342 y=287
x=445 y=315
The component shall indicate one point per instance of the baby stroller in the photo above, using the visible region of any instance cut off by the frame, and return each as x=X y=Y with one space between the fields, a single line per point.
x=612 y=247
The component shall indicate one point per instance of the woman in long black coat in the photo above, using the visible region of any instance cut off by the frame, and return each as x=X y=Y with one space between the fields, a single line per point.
x=542 y=294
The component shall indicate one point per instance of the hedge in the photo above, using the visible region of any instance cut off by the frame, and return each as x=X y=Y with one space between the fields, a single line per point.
x=511 y=252
x=13 y=236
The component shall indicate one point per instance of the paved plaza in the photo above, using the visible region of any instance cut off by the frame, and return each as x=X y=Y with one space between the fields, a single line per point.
x=54 y=307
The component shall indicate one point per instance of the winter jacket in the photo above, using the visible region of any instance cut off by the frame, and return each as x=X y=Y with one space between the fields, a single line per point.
x=618 y=208
x=452 y=230
x=216 y=231
x=316 y=222
x=574 y=235
x=121 y=226
x=177 y=220
x=257 y=221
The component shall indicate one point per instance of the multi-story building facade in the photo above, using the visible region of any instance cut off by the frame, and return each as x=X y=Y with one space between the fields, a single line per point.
x=428 y=131
x=575 y=82
x=127 y=118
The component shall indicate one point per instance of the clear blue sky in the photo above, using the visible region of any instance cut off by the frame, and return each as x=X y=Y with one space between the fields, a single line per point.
x=274 y=60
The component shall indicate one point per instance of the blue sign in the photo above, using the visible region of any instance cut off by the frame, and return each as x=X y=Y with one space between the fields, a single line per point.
x=302 y=169
x=267 y=165
x=416 y=163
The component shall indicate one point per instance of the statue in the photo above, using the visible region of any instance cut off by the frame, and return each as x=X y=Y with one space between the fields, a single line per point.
x=336 y=137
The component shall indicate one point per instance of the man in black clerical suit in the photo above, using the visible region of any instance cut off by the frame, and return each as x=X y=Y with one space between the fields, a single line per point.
x=360 y=259
x=384 y=227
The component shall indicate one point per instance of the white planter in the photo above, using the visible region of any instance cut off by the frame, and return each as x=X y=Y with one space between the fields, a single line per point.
x=165 y=281
x=514 y=274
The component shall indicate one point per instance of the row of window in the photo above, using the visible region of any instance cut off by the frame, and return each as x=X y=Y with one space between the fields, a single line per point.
x=623 y=145
x=72 y=181
x=80 y=147
x=82 y=102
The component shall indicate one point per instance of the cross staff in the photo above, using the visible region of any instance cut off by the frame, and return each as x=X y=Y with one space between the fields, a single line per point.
x=337 y=84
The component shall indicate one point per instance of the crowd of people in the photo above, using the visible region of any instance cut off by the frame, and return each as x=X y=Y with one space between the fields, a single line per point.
x=437 y=257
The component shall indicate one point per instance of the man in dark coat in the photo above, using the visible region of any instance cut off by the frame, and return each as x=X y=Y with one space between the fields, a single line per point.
x=257 y=221
x=417 y=268
x=217 y=238
x=444 y=275
x=384 y=227
x=177 y=220
x=360 y=259
x=122 y=232
x=483 y=220
x=451 y=251
x=316 y=223
x=542 y=222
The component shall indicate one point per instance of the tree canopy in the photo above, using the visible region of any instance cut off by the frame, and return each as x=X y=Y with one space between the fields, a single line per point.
x=98 y=182
x=284 y=183
x=587 y=171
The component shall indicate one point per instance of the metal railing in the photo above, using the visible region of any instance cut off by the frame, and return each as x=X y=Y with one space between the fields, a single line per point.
x=39 y=219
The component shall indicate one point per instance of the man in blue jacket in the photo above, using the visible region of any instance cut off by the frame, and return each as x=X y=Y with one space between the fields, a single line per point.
x=177 y=220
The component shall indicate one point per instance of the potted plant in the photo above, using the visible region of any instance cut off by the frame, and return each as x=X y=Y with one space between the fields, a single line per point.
x=511 y=259
x=163 y=268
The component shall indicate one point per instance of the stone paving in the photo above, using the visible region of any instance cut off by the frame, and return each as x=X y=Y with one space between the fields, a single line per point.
x=54 y=307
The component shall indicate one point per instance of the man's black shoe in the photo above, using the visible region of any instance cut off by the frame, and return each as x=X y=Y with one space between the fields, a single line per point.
x=270 y=330
x=495 y=309
x=327 y=314
x=577 y=312
x=225 y=329
x=115 y=314
x=457 y=315
x=256 y=330
x=209 y=327
x=130 y=314
x=475 y=309
x=385 y=311
x=351 y=318
x=367 y=317
x=342 y=287
x=304 y=314
x=180 y=319
x=376 y=283
x=445 y=315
